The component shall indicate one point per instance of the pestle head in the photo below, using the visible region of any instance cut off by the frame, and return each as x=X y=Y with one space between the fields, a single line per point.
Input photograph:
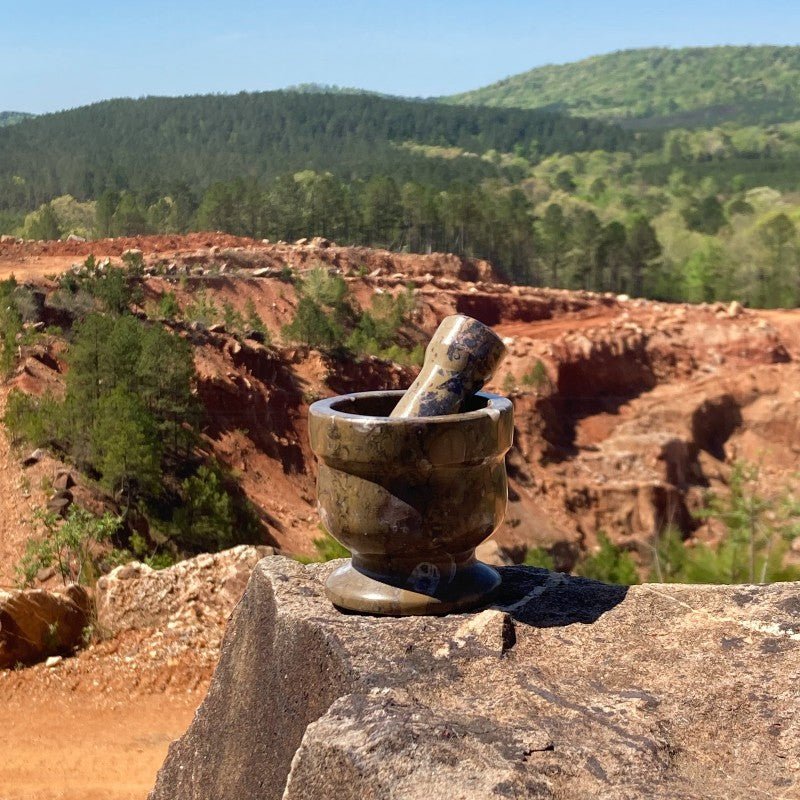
x=460 y=358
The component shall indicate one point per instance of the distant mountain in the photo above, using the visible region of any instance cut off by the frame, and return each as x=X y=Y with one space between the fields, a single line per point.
x=12 y=117
x=661 y=87
x=154 y=143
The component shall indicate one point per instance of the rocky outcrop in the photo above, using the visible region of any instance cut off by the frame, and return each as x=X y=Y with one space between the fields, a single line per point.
x=35 y=624
x=200 y=591
x=566 y=688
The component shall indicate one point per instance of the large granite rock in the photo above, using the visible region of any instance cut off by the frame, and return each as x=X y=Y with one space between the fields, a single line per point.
x=567 y=688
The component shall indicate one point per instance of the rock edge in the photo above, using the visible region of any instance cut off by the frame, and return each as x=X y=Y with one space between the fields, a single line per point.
x=566 y=688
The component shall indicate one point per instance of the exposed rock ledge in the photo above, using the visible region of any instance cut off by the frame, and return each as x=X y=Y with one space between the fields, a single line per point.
x=567 y=688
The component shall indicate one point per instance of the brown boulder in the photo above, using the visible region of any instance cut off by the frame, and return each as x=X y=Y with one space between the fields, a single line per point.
x=64 y=480
x=33 y=458
x=60 y=502
x=567 y=688
x=35 y=624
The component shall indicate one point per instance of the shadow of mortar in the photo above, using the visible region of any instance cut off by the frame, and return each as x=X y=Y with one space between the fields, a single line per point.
x=546 y=599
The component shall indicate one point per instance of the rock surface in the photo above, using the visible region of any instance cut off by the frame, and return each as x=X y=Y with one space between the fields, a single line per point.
x=35 y=624
x=200 y=590
x=566 y=688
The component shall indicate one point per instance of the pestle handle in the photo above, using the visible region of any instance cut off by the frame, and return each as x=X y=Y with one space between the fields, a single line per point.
x=462 y=355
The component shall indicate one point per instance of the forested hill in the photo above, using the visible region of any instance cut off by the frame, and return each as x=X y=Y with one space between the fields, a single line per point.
x=151 y=144
x=683 y=87
x=12 y=117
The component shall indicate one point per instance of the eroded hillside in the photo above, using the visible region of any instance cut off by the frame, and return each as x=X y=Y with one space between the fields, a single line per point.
x=627 y=411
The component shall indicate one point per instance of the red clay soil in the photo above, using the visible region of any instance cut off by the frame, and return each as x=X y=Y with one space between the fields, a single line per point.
x=75 y=748
x=98 y=725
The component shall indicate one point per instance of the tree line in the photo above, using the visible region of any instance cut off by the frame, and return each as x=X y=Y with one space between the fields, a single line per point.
x=494 y=221
x=152 y=144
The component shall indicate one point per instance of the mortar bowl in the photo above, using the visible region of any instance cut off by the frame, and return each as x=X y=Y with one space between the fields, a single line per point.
x=411 y=498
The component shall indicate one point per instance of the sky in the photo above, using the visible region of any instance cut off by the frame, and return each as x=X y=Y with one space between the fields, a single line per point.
x=58 y=54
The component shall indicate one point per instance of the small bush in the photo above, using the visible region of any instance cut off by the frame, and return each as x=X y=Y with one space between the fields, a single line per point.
x=233 y=319
x=98 y=286
x=168 y=306
x=313 y=327
x=609 y=564
x=538 y=557
x=254 y=322
x=537 y=376
x=202 y=309
x=36 y=420
x=206 y=520
x=70 y=545
x=327 y=549
x=757 y=534
x=10 y=324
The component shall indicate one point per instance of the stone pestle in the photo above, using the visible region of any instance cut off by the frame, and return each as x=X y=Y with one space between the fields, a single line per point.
x=460 y=358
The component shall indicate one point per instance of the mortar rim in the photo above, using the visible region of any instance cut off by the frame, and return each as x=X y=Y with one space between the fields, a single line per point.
x=324 y=409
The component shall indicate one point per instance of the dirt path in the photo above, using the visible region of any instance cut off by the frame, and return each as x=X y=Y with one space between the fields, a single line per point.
x=564 y=323
x=79 y=748
x=787 y=323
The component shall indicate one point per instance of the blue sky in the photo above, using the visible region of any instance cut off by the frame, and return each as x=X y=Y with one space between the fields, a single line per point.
x=58 y=54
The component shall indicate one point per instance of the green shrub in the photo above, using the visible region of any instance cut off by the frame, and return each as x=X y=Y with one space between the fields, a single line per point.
x=312 y=326
x=233 y=319
x=207 y=518
x=10 y=328
x=168 y=306
x=36 y=420
x=100 y=287
x=327 y=549
x=134 y=262
x=752 y=550
x=538 y=557
x=17 y=305
x=42 y=224
x=70 y=545
x=324 y=288
x=377 y=329
x=537 y=376
x=609 y=564
x=202 y=309
x=254 y=321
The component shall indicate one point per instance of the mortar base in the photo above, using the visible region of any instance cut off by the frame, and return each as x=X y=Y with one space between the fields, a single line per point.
x=356 y=589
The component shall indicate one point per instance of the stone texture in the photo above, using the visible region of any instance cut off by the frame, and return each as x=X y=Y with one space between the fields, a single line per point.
x=201 y=590
x=35 y=624
x=410 y=499
x=567 y=688
x=462 y=355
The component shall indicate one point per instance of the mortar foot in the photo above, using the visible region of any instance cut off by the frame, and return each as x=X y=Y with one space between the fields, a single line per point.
x=425 y=592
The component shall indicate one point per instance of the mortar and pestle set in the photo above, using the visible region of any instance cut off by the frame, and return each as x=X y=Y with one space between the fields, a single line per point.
x=411 y=483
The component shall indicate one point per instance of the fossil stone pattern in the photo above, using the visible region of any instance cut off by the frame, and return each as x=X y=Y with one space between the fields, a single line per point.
x=411 y=499
x=460 y=358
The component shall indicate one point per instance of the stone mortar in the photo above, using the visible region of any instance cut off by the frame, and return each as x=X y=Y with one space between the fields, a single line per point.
x=411 y=498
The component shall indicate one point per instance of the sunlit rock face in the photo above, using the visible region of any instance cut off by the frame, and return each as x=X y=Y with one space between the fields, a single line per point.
x=565 y=688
